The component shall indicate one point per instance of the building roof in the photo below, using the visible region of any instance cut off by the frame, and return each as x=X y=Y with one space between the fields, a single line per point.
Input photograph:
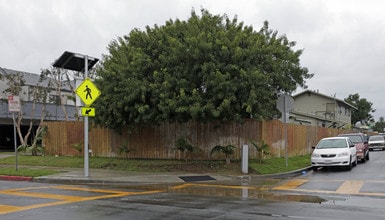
x=323 y=95
x=31 y=79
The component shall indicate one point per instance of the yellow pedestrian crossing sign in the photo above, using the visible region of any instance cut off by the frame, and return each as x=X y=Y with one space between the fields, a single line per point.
x=88 y=92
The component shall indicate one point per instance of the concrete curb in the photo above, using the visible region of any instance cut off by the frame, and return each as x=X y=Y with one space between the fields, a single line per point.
x=289 y=174
x=17 y=178
x=77 y=181
x=171 y=178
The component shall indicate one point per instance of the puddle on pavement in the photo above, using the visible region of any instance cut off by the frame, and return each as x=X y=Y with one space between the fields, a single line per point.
x=296 y=198
x=250 y=193
x=148 y=187
x=242 y=192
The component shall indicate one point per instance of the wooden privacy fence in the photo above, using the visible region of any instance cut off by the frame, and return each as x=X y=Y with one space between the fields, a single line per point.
x=159 y=142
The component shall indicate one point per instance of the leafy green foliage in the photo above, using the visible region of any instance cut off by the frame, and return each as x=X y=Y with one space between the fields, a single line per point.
x=364 y=108
x=15 y=83
x=185 y=147
x=125 y=149
x=35 y=150
x=379 y=126
x=40 y=133
x=206 y=68
x=227 y=150
x=78 y=146
x=262 y=148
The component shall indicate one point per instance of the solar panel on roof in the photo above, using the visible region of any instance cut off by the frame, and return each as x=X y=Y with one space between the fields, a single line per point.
x=74 y=61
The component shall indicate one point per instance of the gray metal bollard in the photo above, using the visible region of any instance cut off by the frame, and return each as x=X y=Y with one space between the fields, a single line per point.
x=245 y=158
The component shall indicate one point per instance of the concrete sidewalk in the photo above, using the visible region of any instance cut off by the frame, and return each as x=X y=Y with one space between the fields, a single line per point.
x=104 y=176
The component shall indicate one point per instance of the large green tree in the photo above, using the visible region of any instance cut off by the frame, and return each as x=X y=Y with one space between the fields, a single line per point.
x=364 y=108
x=208 y=67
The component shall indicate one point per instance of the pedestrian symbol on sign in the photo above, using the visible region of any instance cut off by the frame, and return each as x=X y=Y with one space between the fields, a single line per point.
x=87 y=92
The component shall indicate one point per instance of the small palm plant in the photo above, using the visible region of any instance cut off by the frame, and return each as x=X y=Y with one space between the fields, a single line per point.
x=36 y=148
x=183 y=146
x=262 y=148
x=124 y=149
x=228 y=150
x=78 y=147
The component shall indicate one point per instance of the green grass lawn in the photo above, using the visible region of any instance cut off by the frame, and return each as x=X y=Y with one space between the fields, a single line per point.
x=30 y=172
x=268 y=166
x=278 y=165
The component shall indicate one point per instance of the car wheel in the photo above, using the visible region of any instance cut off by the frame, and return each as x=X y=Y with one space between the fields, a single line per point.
x=355 y=162
x=349 y=166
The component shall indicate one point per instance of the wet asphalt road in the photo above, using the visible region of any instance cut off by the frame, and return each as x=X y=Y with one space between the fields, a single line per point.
x=326 y=194
x=101 y=203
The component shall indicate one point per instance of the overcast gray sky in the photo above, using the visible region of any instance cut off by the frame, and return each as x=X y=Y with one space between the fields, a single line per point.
x=343 y=40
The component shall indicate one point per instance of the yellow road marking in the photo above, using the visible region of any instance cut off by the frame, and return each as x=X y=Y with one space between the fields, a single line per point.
x=292 y=184
x=350 y=187
x=347 y=187
x=85 y=189
x=7 y=208
x=182 y=186
x=62 y=199
x=65 y=199
x=40 y=195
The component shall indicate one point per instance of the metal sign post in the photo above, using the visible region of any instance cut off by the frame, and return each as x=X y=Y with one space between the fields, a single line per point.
x=88 y=93
x=86 y=154
x=14 y=140
x=285 y=104
x=85 y=91
x=14 y=106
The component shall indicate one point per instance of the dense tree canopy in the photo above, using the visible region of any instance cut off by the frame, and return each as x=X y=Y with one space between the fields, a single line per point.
x=207 y=68
x=364 y=109
x=379 y=126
